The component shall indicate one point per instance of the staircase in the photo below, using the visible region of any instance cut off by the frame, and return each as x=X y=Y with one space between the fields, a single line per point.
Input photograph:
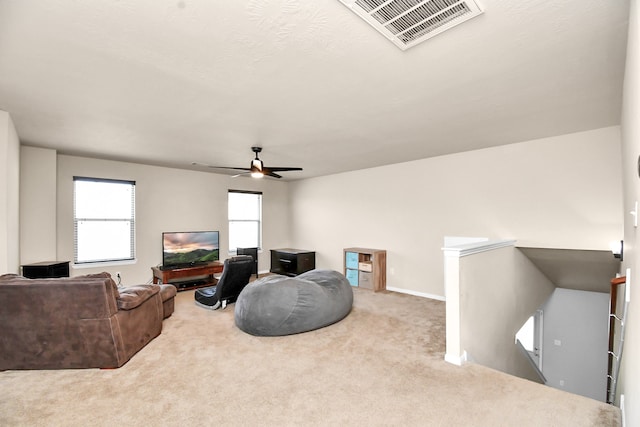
x=491 y=291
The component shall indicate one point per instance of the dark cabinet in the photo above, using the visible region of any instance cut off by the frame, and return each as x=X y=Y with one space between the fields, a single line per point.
x=291 y=262
x=47 y=269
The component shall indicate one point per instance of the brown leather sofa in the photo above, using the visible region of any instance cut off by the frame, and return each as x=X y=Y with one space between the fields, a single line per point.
x=79 y=322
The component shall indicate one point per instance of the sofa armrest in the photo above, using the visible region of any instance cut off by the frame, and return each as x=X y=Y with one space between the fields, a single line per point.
x=133 y=296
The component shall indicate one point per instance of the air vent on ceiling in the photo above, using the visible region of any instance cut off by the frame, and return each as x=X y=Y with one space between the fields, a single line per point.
x=409 y=22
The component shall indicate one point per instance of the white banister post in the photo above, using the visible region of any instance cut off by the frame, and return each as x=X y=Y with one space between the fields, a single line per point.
x=455 y=352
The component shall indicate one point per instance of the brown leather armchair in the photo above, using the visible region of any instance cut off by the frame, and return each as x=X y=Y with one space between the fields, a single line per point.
x=81 y=322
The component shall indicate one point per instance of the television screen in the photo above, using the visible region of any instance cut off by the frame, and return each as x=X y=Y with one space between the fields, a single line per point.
x=184 y=249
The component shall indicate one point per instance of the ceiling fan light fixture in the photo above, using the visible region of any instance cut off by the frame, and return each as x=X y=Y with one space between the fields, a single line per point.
x=256 y=164
x=257 y=168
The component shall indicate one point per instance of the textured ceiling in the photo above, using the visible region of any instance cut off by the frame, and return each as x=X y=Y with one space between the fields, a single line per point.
x=176 y=81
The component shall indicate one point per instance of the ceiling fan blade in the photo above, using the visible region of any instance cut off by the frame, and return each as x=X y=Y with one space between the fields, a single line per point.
x=271 y=174
x=240 y=174
x=219 y=167
x=228 y=168
x=283 y=169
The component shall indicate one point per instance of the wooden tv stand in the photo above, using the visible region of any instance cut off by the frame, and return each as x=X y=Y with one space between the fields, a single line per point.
x=165 y=276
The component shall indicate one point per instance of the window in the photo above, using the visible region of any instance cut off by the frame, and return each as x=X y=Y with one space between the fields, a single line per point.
x=245 y=219
x=104 y=220
x=530 y=336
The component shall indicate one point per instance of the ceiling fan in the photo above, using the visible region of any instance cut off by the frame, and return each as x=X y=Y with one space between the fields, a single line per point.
x=257 y=168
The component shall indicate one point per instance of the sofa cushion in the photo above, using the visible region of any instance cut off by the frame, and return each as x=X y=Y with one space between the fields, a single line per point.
x=132 y=296
x=11 y=277
x=102 y=275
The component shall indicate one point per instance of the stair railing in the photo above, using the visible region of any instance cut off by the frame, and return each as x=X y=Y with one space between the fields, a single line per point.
x=615 y=357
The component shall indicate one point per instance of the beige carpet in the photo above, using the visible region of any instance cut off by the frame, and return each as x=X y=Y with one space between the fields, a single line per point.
x=381 y=366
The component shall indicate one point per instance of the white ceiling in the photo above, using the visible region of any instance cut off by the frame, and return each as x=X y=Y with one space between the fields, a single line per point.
x=169 y=82
x=582 y=270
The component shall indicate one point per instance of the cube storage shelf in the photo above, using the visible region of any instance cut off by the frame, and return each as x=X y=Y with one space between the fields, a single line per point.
x=366 y=268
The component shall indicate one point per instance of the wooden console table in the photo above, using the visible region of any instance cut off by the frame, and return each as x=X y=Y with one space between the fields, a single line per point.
x=165 y=276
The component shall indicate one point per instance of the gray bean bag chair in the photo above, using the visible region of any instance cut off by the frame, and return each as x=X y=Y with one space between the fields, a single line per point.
x=281 y=305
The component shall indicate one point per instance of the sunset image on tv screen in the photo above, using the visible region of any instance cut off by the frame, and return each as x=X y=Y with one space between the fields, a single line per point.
x=190 y=248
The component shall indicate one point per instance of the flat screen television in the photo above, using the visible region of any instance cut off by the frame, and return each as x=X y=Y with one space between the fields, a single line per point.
x=189 y=248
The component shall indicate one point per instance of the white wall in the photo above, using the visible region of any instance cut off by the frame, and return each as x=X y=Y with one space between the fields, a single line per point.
x=559 y=192
x=630 y=374
x=498 y=291
x=169 y=200
x=37 y=205
x=575 y=343
x=9 y=196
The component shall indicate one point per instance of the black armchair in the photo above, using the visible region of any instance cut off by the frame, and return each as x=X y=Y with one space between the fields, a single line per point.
x=235 y=276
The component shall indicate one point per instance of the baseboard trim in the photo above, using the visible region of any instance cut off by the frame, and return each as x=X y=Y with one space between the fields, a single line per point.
x=417 y=294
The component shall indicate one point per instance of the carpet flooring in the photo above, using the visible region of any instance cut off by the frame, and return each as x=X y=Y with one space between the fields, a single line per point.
x=380 y=366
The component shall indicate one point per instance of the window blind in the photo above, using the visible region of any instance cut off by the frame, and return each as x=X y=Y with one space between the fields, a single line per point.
x=104 y=220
